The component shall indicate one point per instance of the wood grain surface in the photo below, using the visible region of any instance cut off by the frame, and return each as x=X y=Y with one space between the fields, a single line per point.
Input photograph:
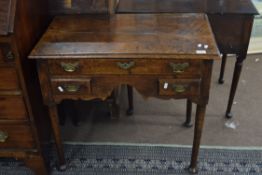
x=128 y=35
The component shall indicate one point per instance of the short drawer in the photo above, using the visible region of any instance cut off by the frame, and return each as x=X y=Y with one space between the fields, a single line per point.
x=8 y=79
x=180 y=88
x=12 y=108
x=71 y=86
x=180 y=68
x=16 y=136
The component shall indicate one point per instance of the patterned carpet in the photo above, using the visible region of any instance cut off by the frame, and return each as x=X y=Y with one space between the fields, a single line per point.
x=145 y=160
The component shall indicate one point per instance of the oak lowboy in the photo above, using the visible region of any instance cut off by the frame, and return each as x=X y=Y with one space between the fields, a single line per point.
x=161 y=55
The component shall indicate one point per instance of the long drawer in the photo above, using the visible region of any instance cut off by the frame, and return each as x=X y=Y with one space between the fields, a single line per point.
x=8 y=79
x=16 y=136
x=12 y=108
x=179 y=68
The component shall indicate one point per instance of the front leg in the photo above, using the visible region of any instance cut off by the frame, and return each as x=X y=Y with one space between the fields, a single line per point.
x=199 y=123
x=57 y=136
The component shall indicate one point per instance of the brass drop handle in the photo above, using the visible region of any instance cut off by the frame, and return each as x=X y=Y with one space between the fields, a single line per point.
x=3 y=136
x=179 y=88
x=126 y=66
x=10 y=56
x=71 y=88
x=70 y=67
x=179 y=68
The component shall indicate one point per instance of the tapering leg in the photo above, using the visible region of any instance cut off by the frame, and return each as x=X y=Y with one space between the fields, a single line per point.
x=57 y=136
x=37 y=164
x=222 y=69
x=61 y=113
x=75 y=112
x=188 y=123
x=130 y=110
x=236 y=76
x=199 y=123
x=113 y=106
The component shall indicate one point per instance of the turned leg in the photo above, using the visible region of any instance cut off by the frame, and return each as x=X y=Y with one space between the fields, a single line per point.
x=57 y=136
x=188 y=123
x=130 y=109
x=199 y=123
x=236 y=76
x=222 y=69
x=37 y=164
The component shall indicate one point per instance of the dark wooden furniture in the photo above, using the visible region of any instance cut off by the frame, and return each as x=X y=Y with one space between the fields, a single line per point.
x=231 y=22
x=87 y=57
x=21 y=112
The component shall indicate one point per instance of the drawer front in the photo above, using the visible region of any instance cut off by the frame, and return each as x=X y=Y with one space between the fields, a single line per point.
x=8 y=79
x=71 y=86
x=16 y=136
x=179 y=68
x=180 y=88
x=6 y=54
x=13 y=108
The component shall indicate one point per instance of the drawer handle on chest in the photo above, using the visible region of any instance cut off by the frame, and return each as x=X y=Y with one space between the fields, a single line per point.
x=3 y=136
x=179 y=68
x=70 y=67
x=10 y=56
x=126 y=66
x=180 y=88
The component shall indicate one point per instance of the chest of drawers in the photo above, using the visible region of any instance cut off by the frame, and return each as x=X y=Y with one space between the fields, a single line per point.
x=15 y=129
x=21 y=113
x=161 y=55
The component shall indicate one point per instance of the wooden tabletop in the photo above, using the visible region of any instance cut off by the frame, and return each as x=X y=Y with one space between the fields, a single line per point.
x=128 y=36
x=187 y=6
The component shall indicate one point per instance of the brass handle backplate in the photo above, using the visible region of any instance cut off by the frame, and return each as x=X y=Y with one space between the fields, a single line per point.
x=126 y=66
x=180 y=88
x=72 y=88
x=179 y=68
x=3 y=136
x=70 y=67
